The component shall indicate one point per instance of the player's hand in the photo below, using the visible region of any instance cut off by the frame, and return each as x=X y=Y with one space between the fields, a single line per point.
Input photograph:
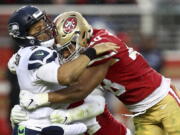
x=105 y=47
x=60 y=116
x=32 y=101
x=11 y=64
x=18 y=114
x=28 y=100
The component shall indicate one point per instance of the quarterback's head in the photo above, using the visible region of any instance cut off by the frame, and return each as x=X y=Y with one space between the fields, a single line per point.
x=73 y=34
x=30 y=26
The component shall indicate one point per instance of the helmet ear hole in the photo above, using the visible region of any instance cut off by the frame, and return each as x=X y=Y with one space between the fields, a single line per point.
x=29 y=18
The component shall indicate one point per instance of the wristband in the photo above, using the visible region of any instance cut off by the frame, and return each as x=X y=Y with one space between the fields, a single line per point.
x=90 y=53
x=42 y=99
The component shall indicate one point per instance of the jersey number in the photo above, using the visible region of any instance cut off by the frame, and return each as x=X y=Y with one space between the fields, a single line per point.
x=132 y=53
x=17 y=58
x=115 y=88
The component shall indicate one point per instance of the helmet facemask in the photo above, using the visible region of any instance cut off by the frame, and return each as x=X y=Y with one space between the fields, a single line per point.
x=46 y=35
x=69 y=51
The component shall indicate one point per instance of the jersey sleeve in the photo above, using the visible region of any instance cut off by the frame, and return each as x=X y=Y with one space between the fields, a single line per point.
x=40 y=57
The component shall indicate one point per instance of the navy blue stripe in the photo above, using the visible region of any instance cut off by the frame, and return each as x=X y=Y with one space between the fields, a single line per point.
x=34 y=66
x=52 y=58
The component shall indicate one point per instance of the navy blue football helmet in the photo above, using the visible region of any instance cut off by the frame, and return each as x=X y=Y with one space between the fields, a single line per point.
x=22 y=20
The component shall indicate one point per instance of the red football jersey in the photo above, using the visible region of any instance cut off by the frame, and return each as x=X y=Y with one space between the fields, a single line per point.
x=131 y=79
x=109 y=125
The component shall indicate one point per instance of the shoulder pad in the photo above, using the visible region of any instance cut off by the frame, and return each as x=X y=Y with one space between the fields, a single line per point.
x=52 y=57
x=40 y=57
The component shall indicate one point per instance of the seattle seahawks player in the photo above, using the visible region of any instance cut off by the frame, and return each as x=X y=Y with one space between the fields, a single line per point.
x=35 y=33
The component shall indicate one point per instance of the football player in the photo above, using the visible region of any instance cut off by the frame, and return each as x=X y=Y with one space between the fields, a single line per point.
x=35 y=34
x=145 y=92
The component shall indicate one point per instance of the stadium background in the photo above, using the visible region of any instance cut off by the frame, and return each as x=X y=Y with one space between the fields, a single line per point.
x=150 y=26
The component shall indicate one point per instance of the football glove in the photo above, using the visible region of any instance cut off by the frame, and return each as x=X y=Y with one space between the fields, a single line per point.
x=32 y=101
x=18 y=114
x=60 y=116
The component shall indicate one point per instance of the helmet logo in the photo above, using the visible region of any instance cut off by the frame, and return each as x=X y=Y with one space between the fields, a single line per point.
x=14 y=29
x=70 y=24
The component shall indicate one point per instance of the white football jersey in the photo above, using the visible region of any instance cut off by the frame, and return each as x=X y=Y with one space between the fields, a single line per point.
x=28 y=60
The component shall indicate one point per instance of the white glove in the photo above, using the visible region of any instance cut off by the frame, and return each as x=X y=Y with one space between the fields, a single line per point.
x=32 y=101
x=11 y=64
x=18 y=114
x=60 y=116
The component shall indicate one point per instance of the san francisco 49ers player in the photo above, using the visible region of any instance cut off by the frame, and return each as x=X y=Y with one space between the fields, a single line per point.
x=145 y=92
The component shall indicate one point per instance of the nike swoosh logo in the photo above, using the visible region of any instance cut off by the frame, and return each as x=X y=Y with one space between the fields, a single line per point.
x=30 y=102
x=65 y=119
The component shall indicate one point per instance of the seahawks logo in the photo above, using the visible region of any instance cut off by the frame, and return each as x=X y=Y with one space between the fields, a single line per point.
x=14 y=29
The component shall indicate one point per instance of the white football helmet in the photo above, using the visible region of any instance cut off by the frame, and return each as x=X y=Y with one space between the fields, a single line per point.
x=73 y=34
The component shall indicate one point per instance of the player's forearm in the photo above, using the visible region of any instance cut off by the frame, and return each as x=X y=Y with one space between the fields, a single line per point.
x=88 y=81
x=67 y=95
x=70 y=71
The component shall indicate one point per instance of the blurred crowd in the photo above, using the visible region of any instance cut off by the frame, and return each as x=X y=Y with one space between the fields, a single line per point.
x=67 y=1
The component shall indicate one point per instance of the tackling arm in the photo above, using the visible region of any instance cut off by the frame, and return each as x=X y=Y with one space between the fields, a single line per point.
x=73 y=93
x=93 y=105
x=70 y=72
x=79 y=90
